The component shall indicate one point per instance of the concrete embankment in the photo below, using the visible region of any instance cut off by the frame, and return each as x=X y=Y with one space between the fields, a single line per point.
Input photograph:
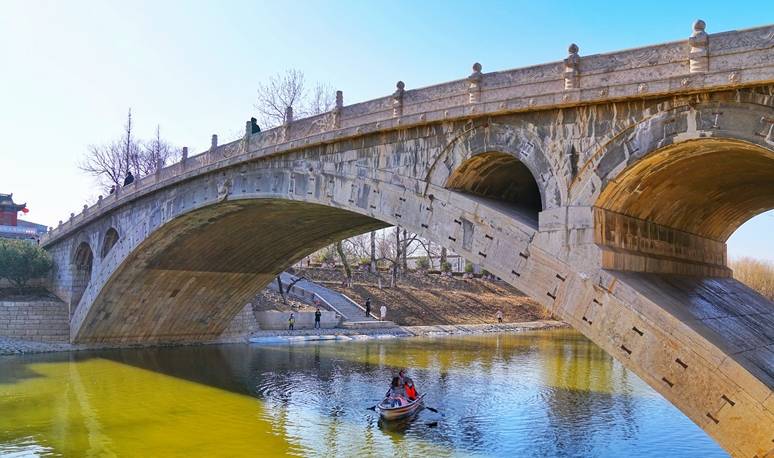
x=273 y=337
x=400 y=331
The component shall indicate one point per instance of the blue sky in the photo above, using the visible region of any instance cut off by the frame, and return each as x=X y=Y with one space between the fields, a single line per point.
x=72 y=69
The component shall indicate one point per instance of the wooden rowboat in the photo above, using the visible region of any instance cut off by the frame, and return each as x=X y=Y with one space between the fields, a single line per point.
x=396 y=413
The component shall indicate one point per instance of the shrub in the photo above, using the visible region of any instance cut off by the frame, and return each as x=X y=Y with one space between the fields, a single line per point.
x=468 y=267
x=326 y=255
x=755 y=273
x=21 y=261
x=446 y=266
x=423 y=263
x=485 y=272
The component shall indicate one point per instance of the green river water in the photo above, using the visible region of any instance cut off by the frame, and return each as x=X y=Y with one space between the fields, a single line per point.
x=543 y=393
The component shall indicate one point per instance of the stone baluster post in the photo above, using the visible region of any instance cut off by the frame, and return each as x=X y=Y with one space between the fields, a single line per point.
x=397 y=100
x=214 y=143
x=698 y=56
x=474 y=84
x=571 y=68
x=336 y=113
x=288 y=122
x=184 y=156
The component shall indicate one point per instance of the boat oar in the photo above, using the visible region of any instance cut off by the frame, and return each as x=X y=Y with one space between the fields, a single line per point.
x=431 y=409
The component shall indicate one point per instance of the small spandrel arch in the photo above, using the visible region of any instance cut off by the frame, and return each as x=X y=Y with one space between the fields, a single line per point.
x=110 y=239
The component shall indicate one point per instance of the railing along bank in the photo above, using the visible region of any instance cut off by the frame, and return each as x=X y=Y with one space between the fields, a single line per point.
x=703 y=62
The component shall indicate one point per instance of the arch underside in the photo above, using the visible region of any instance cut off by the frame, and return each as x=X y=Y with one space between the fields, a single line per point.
x=499 y=177
x=673 y=210
x=708 y=187
x=196 y=272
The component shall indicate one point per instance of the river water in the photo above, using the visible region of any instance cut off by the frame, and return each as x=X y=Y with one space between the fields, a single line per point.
x=543 y=393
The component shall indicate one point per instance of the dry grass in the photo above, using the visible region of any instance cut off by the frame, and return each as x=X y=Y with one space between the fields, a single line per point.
x=448 y=302
x=755 y=273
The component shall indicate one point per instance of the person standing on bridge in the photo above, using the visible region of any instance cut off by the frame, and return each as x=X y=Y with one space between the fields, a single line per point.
x=291 y=321
x=317 y=315
x=383 y=311
x=368 y=307
x=129 y=178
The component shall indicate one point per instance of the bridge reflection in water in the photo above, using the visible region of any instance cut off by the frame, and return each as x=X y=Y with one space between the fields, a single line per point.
x=550 y=393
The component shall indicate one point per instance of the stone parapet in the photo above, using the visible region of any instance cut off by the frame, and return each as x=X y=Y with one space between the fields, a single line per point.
x=736 y=59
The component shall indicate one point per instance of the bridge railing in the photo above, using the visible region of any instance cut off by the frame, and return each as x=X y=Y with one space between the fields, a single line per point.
x=737 y=58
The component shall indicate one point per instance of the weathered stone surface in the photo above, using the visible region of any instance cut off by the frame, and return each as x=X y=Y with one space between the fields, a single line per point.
x=588 y=189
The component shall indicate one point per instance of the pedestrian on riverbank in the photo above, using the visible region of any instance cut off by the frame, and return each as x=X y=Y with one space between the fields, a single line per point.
x=499 y=316
x=291 y=321
x=317 y=315
x=383 y=312
x=368 y=307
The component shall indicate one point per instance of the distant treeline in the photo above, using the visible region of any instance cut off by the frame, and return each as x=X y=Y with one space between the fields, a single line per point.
x=755 y=273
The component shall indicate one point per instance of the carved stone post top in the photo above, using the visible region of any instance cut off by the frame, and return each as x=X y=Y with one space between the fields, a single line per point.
x=475 y=77
x=698 y=28
x=699 y=38
x=400 y=89
x=214 y=143
x=185 y=152
x=339 y=100
x=288 y=115
x=572 y=54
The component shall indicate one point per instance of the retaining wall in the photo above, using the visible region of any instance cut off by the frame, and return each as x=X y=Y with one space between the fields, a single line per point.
x=44 y=321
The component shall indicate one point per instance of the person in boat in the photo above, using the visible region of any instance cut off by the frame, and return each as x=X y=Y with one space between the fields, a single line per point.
x=408 y=385
x=411 y=391
x=396 y=395
x=403 y=377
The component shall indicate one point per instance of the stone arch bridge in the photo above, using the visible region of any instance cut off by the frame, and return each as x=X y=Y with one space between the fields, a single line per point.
x=603 y=186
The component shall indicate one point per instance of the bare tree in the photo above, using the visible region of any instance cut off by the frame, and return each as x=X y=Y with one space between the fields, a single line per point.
x=344 y=262
x=154 y=153
x=373 y=251
x=110 y=163
x=281 y=91
x=289 y=89
x=394 y=248
x=321 y=100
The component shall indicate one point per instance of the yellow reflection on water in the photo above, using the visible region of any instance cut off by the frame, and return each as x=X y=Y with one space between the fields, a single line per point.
x=76 y=409
x=564 y=358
